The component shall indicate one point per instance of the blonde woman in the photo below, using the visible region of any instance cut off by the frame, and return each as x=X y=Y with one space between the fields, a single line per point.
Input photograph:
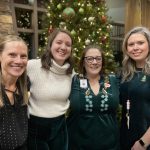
x=135 y=90
x=13 y=93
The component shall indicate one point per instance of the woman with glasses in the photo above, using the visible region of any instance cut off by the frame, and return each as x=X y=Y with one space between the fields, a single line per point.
x=92 y=123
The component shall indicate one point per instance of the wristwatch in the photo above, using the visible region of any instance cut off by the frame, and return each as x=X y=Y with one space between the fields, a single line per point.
x=142 y=143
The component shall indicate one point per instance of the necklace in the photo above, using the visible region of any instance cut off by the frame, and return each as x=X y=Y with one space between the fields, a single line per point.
x=11 y=90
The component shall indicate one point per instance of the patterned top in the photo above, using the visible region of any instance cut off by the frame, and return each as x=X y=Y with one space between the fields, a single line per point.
x=13 y=123
x=92 y=122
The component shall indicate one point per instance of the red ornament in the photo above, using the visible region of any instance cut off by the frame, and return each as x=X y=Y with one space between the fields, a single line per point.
x=103 y=19
x=103 y=39
x=50 y=30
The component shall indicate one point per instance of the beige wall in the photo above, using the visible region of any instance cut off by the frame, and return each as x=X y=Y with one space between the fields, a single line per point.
x=6 y=23
x=116 y=10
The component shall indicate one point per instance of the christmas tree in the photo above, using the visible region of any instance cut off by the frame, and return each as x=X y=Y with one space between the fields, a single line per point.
x=88 y=23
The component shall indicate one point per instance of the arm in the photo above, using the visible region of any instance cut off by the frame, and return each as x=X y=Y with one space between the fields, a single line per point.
x=28 y=86
x=145 y=138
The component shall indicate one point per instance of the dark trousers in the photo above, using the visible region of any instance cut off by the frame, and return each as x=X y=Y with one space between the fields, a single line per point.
x=47 y=133
x=23 y=147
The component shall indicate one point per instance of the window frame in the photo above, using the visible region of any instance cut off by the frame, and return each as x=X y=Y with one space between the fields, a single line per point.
x=34 y=23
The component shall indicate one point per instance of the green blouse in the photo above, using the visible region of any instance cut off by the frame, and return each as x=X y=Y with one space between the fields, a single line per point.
x=137 y=91
x=92 y=122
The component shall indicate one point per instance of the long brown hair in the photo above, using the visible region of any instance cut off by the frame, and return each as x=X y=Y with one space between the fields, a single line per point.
x=22 y=80
x=47 y=56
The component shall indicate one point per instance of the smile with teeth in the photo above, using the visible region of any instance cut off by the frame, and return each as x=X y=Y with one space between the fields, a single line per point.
x=17 y=67
x=136 y=54
x=94 y=67
x=61 y=52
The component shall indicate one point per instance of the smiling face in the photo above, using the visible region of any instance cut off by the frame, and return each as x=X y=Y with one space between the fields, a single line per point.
x=138 y=48
x=13 y=59
x=61 y=48
x=93 y=67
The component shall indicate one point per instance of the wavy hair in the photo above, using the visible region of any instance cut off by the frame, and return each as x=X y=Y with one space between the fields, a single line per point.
x=128 y=64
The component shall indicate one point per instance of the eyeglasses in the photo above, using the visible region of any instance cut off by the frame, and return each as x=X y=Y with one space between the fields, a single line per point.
x=90 y=59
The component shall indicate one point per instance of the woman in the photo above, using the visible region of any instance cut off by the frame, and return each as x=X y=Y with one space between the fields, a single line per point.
x=50 y=79
x=92 y=123
x=135 y=90
x=13 y=93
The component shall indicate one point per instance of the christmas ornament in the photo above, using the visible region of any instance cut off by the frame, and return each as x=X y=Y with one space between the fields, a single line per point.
x=89 y=7
x=48 y=14
x=81 y=10
x=84 y=19
x=91 y=19
x=73 y=32
x=59 y=6
x=68 y=13
x=103 y=39
x=103 y=19
x=88 y=23
x=50 y=30
x=62 y=24
x=87 y=42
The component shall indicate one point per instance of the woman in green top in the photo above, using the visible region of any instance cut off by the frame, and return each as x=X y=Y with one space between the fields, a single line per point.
x=92 y=123
x=135 y=90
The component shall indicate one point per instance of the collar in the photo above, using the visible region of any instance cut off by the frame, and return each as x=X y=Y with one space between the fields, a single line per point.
x=57 y=69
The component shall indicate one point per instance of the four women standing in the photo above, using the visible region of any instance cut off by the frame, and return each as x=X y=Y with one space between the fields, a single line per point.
x=92 y=122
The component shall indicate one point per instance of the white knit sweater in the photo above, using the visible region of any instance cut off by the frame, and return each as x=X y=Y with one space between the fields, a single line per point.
x=49 y=90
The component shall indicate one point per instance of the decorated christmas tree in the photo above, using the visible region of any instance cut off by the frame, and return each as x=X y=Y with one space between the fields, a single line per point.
x=88 y=23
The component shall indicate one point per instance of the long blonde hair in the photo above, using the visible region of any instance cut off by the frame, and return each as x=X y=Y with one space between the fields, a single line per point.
x=128 y=64
x=22 y=80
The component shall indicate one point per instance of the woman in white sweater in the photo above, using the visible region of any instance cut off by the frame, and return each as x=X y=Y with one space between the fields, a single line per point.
x=50 y=79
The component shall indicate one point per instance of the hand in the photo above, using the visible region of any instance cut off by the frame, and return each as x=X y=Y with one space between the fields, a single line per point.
x=137 y=146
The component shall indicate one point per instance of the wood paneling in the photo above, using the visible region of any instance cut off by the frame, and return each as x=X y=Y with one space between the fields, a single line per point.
x=145 y=6
x=137 y=14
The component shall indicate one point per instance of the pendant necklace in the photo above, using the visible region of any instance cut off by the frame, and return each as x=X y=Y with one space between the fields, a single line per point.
x=128 y=112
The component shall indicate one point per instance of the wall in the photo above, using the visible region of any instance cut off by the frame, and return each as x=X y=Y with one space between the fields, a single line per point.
x=116 y=10
x=6 y=23
x=137 y=14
